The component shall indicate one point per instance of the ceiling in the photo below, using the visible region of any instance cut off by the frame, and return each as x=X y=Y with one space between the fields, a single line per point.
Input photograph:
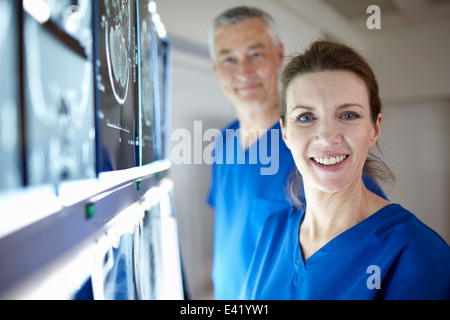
x=394 y=13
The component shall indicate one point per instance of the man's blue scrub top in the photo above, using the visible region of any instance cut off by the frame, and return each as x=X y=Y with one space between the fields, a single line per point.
x=243 y=198
x=390 y=255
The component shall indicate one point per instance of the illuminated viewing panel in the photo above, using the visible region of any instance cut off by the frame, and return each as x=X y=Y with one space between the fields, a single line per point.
x=86 y=208
x=59 y=97
x=10 y=133
x=117 y=83
x=163 y=65
x=147 y=95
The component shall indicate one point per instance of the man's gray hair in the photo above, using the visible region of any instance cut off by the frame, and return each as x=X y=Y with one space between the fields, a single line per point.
x=239 y=14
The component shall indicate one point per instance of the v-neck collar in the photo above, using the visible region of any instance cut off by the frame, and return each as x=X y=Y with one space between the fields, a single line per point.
x=341 y=238
x=255 y=144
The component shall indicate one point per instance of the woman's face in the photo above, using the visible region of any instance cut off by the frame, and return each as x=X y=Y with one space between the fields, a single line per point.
x=328 y=128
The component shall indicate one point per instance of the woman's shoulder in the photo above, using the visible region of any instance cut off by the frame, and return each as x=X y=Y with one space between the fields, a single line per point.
x=412 y=236
x=419 y=257
x=279 y=224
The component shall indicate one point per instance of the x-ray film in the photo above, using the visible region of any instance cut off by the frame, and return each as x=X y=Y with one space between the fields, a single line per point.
x=117 y=83
x=119 y=276
x=10 y=130
x=146 y=96
x=149 y=257
x=59 y=99
x=75 y=18
x=163 y=50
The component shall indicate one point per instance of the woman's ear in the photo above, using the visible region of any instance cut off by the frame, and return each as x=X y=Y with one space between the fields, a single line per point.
x=283 y=133
x=377 y=131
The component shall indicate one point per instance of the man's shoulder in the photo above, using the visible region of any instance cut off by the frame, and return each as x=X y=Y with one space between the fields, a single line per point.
x=233 y=125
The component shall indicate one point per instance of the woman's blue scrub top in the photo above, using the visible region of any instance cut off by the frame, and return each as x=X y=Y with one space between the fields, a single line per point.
x=389 y=255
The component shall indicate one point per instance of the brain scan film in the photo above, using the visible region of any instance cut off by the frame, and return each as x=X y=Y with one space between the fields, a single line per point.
x=59 y=97
x=147 y=102
x=117 y=83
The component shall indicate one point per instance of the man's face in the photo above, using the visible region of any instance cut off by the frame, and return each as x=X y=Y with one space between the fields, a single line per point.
x=247 y=63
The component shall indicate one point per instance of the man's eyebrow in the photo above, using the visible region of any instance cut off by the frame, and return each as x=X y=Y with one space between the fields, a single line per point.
x=252 y=47
x=256 y=46
x=225 y=52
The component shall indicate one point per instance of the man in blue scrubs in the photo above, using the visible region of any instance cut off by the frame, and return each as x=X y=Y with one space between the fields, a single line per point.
x=252 y=163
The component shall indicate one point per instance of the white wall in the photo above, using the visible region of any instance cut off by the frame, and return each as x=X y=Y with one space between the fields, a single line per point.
x=196 y=97
x=415 y=145
x=413 y=71
x=412 y=67
x=411 y=63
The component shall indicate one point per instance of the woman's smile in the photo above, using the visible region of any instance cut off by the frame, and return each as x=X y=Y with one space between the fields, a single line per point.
x=329 y=161
x=329 y=164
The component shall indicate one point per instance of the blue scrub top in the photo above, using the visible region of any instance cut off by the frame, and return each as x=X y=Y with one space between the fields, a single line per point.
x=243 y=198
x=389 y=255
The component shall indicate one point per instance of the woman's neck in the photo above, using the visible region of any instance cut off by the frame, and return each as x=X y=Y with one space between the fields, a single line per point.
x=329 y=214
x=326 y=210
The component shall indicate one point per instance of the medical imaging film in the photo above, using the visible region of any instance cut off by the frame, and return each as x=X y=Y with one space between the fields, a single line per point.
x=119 y=277
x=59 y=96
x=163 y=78
x=149 y=256
x=117 y=83
x=75 y=18
x=10 y=130
x=146 y=96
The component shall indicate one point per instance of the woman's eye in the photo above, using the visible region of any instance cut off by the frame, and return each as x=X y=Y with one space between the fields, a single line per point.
x=350 y=116
x=305 y=117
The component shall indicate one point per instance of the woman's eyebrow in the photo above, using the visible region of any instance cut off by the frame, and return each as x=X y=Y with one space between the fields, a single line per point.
x=302 y=107
x=342 y=106
x=348 y=105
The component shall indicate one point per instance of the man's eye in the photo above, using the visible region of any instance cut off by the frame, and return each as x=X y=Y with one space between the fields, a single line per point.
x=228 y=60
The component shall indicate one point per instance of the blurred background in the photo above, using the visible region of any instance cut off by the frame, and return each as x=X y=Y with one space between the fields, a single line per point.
x=409 y=55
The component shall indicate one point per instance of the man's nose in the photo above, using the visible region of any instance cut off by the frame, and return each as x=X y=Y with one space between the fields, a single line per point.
x=246 y=68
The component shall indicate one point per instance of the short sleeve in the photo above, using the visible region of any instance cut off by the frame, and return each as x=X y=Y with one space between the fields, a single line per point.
x=430 y=284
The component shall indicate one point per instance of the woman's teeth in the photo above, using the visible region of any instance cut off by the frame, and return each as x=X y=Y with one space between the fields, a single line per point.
x=330 y=161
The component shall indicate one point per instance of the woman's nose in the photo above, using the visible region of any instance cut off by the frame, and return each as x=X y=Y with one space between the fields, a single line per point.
x=328 y=133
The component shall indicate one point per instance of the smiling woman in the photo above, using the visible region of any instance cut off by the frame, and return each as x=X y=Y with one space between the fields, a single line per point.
x=346 y=242
x=349 y=71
